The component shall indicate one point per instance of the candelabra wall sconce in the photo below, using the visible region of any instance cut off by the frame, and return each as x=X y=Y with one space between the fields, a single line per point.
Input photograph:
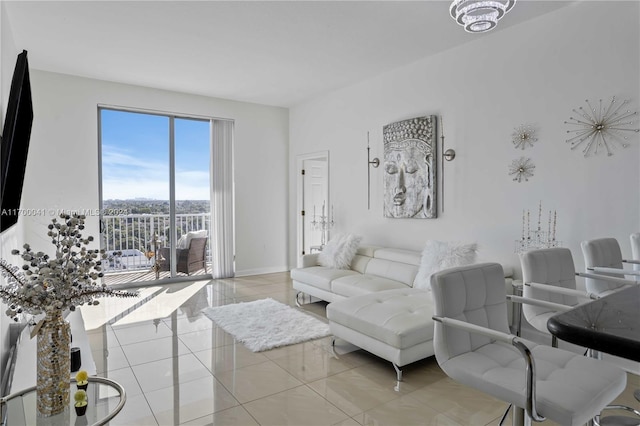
x=375 y=163
x=323 y=223
x=448 y=155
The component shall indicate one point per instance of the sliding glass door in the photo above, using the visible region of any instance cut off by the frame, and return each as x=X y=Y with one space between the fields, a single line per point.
x=155 y=195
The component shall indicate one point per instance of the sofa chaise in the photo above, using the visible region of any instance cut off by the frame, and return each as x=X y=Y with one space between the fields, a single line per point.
x=374 y=304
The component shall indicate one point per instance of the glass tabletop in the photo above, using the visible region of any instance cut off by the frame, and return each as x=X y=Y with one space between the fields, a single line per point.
x=610 y=324
x=106 y=398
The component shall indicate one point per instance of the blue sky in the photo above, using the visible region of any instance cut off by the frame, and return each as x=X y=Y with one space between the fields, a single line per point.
x=135 y=157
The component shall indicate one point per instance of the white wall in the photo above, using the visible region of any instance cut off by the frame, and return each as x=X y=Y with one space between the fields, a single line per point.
x=62 y=168
x=532 y=73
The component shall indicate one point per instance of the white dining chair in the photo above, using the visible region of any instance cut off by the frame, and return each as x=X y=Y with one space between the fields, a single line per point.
x=474 y=347
x=603 y=256
x=549 y=274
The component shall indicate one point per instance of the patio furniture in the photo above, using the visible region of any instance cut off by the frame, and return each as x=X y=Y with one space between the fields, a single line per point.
x=190 y=259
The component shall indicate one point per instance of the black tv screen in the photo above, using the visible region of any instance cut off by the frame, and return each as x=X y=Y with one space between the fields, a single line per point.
x=15 y=142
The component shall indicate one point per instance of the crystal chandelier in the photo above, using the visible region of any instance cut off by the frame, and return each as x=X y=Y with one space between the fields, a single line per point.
x=478 y=16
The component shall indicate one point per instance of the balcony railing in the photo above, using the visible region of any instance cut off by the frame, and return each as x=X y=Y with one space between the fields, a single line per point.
x=133 y=236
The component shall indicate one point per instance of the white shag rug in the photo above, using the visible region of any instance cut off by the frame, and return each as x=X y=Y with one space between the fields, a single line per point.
x=266 y=324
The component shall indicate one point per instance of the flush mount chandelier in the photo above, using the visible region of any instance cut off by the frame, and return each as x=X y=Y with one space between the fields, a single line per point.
x=479 y=16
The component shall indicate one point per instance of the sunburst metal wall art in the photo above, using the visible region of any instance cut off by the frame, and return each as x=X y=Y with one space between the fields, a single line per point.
x=521 y=169
x=601 y=127
x=523 y=135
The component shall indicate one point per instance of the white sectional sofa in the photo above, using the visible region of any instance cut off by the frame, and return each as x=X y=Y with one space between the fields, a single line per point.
x=373 y=269
x=374 y=304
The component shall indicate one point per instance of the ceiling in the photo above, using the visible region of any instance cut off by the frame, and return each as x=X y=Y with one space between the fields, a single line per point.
x=268 y=52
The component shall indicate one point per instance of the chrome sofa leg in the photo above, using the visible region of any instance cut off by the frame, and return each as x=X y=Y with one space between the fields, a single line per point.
x=333 y=348
x=398 y=372
x=298 y=299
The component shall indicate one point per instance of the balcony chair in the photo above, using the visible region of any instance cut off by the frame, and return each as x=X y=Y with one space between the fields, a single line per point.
x=473 y=346
x=190 y=259
x=603 y=256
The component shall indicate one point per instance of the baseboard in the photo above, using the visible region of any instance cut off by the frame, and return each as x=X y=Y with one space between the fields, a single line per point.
x=260 y=271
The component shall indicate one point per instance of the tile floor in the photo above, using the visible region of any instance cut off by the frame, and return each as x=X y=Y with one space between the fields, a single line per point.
x=178 y=368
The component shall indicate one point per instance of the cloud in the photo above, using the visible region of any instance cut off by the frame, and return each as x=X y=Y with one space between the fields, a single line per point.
x=127 y=176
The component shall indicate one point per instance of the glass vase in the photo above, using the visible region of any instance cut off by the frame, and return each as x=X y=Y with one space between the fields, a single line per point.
x=54 y=365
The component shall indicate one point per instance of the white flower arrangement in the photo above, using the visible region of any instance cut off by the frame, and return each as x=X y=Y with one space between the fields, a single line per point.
x=44 y=284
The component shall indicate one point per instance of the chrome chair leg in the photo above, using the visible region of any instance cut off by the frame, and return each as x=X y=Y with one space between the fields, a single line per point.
x=519 y=416
x=618 y=420
x=504 y=416
x=615 y=420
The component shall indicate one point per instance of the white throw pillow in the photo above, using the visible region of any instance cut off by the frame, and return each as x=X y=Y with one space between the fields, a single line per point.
x=339 y=251
x=439 y=255
x=182 y=242
x=185 y=240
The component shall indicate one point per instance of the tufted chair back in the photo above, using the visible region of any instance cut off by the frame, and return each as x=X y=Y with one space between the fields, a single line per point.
x=603 y=252
x=553 y=266
x=475 y=294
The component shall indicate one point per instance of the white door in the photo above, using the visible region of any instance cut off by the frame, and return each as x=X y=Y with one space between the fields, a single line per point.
x=315 y=194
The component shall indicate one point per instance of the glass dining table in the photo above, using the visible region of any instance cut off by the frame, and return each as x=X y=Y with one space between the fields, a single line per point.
x=610 y=324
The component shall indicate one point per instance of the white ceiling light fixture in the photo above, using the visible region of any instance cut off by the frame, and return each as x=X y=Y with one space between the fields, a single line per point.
x=479 y=16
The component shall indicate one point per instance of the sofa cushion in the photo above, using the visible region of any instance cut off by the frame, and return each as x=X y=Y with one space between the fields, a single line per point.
x=392 y=270
x=355 y=285
x=366 y=250
x=359 y=263
x=319 y=276
x=400 y=318
x=398 y=255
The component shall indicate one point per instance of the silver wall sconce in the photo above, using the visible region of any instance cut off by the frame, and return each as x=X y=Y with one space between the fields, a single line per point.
x=448 y=155
x=375 y=163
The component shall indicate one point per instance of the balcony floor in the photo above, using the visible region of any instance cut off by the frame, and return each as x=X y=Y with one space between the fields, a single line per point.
x=142 y=275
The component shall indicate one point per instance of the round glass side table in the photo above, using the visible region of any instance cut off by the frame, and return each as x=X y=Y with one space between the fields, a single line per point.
x=106 y=398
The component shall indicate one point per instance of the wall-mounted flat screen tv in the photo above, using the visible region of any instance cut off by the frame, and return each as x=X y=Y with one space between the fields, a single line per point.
x=15 y=142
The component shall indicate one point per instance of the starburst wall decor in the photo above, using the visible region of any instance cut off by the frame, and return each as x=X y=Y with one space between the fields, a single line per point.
x=523 y=135
x=601 y=127
x=521 y=169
